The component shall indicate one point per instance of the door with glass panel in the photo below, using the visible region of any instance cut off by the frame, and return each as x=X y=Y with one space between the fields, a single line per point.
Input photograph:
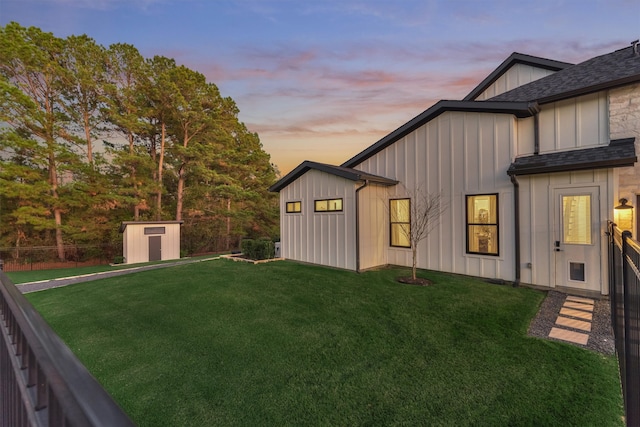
x=576 y=240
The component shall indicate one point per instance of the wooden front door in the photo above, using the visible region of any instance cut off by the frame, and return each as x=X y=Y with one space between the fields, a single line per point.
x=155 y=248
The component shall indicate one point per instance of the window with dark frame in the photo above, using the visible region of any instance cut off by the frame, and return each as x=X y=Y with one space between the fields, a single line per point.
x=400 y=223
x=328 y=205
x=154 y=230
x=294 y=207
x=482 y=224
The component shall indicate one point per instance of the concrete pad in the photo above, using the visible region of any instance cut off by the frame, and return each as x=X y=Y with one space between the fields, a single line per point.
x=564 y=335
x=578 y=305
x=573 y=323
x=580 y=299
x=576 y=313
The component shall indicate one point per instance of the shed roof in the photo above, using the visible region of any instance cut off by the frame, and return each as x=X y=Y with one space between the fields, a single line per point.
x=513 y=59
x=124 y=224
x=344 y=172
x=602 y=72
x=619 y=153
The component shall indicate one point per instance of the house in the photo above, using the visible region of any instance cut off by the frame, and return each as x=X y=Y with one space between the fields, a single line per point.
x=144 y=241
x=529 y=165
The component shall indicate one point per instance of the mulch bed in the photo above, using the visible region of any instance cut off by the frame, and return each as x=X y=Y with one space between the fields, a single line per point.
x=418 y=281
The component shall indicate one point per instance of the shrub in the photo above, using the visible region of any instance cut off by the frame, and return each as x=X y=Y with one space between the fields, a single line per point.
x=258 y=249
x=118 y=259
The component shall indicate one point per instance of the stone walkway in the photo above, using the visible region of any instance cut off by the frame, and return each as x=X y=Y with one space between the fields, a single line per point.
x=584 y=322
x=574 y=320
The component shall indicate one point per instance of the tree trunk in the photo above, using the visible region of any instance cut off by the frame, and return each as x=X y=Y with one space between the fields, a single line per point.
x=59 y=242
x=228 y=243
x=160 y=161
x=414 y=251
x=180 y=192
x=57 y=213
x=136 y=205
x=87 y=134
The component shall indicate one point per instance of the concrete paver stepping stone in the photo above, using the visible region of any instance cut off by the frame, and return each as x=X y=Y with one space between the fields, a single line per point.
x=570 y=336
x=573 y=323
x=578 y=305
x=580 y=299
x=576 y=313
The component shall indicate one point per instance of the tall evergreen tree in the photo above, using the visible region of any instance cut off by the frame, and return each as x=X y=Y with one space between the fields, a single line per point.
x=127 y=78
x=30 y=63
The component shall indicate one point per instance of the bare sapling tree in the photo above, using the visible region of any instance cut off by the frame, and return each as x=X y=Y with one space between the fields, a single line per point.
x=425 y=210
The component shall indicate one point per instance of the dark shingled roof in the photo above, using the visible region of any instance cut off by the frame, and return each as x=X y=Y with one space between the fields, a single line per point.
x=513 y=59
x=619 y=153
x=347 y=173
x=602 y=72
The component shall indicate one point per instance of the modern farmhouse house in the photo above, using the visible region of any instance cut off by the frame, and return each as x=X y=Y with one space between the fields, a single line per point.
x=530 y=166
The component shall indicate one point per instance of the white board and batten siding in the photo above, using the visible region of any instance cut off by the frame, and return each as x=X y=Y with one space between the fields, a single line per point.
x=135 y=239
x=539 y=229
x=580 y=122
x=326 y=238
x=575 y=123
x=456 y=154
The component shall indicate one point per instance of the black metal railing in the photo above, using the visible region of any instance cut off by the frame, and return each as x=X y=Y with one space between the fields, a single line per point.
x=624 y=294
x=42 y=383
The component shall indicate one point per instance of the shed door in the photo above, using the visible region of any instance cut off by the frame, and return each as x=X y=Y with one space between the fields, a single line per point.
x=155 y=248
x=577 y=238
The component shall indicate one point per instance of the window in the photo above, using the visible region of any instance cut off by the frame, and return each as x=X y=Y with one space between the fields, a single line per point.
x=482 y=224
x=329 y=205
x=400 y=222
x=576 y=219
x=294 y=207
x=154 y=230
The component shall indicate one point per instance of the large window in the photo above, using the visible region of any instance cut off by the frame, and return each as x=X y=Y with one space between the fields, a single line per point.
x=400 y=222
x=294 y=207
x=328 y=205
x=576 y=219
x=482 y=224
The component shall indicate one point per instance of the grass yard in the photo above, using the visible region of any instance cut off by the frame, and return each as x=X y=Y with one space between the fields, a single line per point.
x=228 y=343
x=19 y=277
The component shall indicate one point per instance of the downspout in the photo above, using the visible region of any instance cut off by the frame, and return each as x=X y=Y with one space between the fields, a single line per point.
x=536 y=134
x=366 y=183
x=516 y=224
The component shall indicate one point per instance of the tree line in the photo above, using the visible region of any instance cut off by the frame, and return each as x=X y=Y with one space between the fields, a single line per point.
x=91 y=136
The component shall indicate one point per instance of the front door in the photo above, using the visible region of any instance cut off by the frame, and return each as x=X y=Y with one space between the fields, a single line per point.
x=577 y=238
x=155 y=248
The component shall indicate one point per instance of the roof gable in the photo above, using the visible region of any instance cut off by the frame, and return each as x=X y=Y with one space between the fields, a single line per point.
x=513 y=59
x=344 y=172
x=518 y=109
x=124 y=224
x=602 y=72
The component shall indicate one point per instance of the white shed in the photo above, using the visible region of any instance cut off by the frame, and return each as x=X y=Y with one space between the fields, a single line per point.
x=144 y=241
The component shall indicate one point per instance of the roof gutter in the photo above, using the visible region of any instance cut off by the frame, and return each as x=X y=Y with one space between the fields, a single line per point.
x=516 y=224
x=362 y=187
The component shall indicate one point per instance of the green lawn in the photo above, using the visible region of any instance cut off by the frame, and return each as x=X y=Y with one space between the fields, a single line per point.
x=18 y=277
x=227 y=343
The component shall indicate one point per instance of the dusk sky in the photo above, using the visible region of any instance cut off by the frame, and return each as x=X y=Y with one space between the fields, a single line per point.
x=322 y=80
